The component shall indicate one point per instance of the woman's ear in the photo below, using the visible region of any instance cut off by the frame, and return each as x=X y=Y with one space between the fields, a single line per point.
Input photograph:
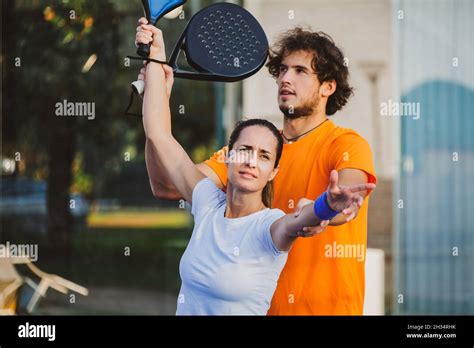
x=226 y=159
x=274 y=173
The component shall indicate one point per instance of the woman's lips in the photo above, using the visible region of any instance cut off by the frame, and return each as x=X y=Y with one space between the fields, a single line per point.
x=247 y=175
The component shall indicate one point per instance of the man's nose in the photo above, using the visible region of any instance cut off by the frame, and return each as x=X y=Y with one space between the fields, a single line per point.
x=286 y=77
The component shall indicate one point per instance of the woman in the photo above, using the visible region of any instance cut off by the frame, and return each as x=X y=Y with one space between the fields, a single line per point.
x=239 y=244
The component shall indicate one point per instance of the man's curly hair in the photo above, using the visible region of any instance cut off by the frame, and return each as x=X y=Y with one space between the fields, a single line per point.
x=328 y=61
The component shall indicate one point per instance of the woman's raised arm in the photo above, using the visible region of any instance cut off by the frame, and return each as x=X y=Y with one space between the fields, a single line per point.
x=157 y=118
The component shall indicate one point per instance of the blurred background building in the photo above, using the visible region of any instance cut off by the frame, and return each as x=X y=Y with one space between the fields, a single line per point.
x=417 y=52
x=125 y=245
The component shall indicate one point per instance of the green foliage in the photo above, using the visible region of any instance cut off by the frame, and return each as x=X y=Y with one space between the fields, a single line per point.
x=54 y=39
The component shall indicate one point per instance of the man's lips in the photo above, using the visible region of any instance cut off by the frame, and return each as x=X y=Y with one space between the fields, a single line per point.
x=286 y=91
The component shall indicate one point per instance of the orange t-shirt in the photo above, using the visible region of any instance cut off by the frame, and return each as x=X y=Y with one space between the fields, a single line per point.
x=324 y=274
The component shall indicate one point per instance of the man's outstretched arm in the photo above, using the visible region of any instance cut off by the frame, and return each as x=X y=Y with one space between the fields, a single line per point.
x=348 y=177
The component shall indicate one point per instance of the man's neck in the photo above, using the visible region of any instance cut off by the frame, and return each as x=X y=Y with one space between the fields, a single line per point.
x=292 y=128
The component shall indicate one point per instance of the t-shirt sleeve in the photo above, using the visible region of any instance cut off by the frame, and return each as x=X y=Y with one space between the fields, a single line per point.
x=265 y=237
x=350 y=150
x=217 y=164
x=206 y=196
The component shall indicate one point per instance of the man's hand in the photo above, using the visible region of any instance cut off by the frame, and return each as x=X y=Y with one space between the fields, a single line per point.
x=340 y=198
x=345 y=198
x=312 y=230
x=169 y=76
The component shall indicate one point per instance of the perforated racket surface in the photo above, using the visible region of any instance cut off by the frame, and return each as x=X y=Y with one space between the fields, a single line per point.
x=223 y=42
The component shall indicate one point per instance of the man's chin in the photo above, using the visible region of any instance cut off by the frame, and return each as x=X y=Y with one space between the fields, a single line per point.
x=293 y=113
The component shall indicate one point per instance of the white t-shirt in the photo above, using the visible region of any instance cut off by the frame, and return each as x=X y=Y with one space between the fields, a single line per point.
x=230 y=266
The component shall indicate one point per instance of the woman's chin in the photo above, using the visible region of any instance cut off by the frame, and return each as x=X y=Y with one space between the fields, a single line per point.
x=246 y=185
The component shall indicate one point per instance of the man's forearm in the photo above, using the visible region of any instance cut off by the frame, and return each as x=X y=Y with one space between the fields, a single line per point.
x=339 y=220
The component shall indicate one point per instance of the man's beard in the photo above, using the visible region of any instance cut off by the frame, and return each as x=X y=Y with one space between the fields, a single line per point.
x=305 y=110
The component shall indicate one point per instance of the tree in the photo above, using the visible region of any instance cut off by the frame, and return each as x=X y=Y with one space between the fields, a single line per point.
x=52 y=44
x=47 y=44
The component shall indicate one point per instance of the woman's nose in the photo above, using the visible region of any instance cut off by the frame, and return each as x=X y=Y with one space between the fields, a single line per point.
x=251 y=159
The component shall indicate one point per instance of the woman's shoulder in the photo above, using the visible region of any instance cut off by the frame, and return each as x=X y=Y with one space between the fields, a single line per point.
x=206 y=195
x=273 y=213
x=206 y=184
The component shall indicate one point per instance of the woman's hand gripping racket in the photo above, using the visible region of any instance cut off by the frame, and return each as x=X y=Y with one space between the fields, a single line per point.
x=222 y=42
x=153 y=38
x=154 y=10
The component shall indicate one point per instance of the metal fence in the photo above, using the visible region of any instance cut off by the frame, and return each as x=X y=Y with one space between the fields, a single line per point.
x=434 y=243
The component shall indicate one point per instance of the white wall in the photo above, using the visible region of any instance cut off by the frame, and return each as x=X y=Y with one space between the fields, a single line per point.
x=363 y=29
x=374 y=303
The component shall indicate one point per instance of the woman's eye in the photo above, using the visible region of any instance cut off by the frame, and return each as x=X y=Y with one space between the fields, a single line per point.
x=265 y=157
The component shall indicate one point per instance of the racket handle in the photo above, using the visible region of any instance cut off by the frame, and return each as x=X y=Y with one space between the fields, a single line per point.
x=138 y=86
x=143 y=50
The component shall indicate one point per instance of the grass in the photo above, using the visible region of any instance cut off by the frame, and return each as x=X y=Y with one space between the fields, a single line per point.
x=139 y=219
x=118 y=251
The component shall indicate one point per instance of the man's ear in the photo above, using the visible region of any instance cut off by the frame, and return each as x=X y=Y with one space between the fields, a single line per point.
x=328 y=88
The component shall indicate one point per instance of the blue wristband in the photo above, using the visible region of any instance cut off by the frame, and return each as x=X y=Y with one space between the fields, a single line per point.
x=322 y=210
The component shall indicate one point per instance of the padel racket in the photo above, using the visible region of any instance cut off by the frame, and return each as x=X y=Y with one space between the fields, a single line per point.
x=222 y=42
x=154 y=10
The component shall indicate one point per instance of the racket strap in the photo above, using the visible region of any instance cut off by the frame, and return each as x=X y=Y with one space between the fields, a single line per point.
x=127 y=110
x=130 y=103
x=149 y=60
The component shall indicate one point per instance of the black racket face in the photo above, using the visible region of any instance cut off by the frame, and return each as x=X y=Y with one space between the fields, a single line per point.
x=226 y=40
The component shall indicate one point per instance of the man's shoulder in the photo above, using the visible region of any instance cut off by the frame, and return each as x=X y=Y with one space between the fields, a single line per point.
x=346 y=135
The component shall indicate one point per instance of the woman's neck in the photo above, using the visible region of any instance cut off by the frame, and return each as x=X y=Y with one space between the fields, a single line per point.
x=241 y=204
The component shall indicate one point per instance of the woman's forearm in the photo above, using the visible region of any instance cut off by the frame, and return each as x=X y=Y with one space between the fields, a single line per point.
x=305 y=218
x=156 y=110
x=285 y=230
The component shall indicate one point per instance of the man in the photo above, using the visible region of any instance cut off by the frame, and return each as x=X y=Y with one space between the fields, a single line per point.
x=324 y=275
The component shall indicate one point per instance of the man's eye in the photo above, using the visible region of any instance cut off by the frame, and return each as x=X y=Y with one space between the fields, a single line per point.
x=265 y=157
x=282 y=68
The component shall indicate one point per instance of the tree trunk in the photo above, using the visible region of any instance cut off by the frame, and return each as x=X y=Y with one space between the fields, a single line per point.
x=61 y=152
